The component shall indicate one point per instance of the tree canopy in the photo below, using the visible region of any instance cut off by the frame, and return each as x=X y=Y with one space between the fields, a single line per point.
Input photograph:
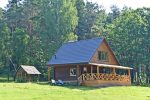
x=32 y=30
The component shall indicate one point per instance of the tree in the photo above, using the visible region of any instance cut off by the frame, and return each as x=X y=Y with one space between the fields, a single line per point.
x=91 y=19
x=115 y=12
x=128 y=29
x=128 y=33
x=58 y=20
x=1 y=13
x=20 y=39
x=59 y=17
x=145 y=13
x=4 y=43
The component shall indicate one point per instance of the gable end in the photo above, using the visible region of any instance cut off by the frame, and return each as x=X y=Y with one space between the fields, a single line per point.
x=104 y=47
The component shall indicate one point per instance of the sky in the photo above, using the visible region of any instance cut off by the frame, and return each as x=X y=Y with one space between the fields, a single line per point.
x=107 y=3
x=3 y=3
x=121 y=3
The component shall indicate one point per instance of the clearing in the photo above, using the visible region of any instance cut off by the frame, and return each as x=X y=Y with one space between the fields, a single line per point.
x=44 y=91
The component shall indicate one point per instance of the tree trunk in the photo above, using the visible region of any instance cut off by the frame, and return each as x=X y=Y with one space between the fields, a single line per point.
x=9 y=70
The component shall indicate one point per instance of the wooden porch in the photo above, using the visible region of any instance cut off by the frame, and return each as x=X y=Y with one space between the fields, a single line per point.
x=97 y=77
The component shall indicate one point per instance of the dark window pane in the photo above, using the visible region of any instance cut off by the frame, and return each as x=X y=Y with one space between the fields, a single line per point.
x=102 y=55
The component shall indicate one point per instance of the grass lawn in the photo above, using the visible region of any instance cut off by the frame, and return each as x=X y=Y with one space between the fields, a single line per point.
x=33 y=91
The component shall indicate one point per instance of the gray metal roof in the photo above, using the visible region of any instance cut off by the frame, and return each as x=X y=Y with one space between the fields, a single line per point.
x=30 y=69
x=76 y=52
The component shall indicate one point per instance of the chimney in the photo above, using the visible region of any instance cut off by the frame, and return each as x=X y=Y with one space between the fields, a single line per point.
x=55 y=56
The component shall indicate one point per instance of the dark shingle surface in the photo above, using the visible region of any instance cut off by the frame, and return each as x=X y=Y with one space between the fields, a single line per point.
x=76 y=52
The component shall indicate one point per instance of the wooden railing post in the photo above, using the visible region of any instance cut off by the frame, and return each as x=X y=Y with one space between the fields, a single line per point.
x=114 y=71
x=91 y=69
x=83 y=76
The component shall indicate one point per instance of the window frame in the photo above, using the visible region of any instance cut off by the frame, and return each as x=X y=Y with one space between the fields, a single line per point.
x=71 y=69
x=103 y=55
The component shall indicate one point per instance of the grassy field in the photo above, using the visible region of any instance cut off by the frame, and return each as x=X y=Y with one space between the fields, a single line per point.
x=33 y=91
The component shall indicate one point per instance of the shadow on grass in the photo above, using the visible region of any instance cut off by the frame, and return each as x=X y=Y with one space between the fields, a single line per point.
x=4 y=79
x=84 y=88
x=140 y=84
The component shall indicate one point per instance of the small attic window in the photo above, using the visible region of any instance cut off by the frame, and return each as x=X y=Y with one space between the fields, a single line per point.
x=102 y=55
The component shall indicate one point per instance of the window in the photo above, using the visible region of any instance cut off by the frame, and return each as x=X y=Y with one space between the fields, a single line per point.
x=103 y=55
x=73 y=71
x=84 y=69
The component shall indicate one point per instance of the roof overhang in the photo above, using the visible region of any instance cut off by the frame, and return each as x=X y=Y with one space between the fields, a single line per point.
x=30 y=69
x=80 y=63
x=110 y=66
x=95 y=64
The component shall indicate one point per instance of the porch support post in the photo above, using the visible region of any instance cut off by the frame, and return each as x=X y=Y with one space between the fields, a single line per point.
x=129 y=72
x=29 y=77
x=91 y=69
x=97 y=69
x=25 y=79
x=129 y=76
x=114 y=71
x=38 y=77
x=49 y=79
x=78 y=71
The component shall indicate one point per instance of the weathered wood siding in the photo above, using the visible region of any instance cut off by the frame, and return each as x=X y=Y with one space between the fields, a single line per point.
x=63 y=73
x=21 y=71
x=111 y=58
x=22 y=76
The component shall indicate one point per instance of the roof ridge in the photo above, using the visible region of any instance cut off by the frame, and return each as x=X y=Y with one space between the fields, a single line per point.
x=74 y=52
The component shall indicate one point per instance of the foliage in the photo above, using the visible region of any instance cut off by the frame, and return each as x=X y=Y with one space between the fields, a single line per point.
x=32 y=30
x=129 y=37
x=91 y=19
x=129 y=28
x=1 y=13
x=4 y=43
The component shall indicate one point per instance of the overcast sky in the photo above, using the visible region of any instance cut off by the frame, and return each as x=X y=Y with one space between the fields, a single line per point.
x=121 y=3
x=107 y=3
x=3 y=3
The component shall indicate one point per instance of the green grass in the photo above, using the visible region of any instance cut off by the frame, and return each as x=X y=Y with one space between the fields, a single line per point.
x=33 y=91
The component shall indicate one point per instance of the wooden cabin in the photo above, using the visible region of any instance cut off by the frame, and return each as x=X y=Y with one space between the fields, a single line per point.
x=88 y=62
x=27 y=73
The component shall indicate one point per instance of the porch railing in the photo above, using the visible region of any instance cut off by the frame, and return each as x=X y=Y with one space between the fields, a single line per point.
x=103 y=76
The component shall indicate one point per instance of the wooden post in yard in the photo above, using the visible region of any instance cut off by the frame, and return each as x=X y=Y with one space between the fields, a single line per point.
x=49 y=79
